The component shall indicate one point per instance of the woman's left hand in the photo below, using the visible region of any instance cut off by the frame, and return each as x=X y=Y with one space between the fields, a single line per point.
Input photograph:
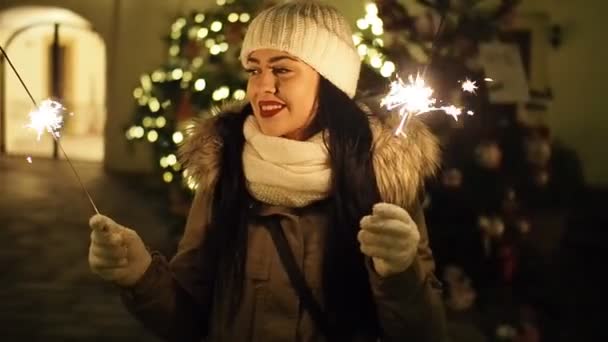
x=390 y=237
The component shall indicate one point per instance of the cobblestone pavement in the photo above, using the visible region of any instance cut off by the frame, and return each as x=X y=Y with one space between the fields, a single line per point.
x=48 y=292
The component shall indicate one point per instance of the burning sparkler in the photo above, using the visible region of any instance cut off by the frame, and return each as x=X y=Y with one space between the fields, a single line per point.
x=415 y=98
x=47 y=117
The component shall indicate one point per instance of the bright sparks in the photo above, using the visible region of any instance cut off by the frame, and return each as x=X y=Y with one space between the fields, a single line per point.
x=469 y=86
x=414 y=98
x=452 y=111
x=48 y=117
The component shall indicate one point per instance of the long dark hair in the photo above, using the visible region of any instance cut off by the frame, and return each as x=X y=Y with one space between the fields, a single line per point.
x=346 y=287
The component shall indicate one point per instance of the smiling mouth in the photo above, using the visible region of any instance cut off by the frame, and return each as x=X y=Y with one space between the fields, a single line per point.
x=270 y=109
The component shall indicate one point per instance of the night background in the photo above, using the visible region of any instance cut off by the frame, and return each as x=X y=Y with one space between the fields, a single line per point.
x=516 y=213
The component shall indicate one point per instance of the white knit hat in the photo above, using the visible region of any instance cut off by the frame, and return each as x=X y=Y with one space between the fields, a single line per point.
x=315 y=33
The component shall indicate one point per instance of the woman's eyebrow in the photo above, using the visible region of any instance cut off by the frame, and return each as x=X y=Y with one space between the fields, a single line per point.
x=272 y=59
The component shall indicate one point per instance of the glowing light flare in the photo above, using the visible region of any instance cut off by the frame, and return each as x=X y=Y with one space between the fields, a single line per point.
x=161 y=122
x=154 y=105
x=171 y=160
x=179 y=24
x=174 y=50
x=199 y=18
x=233 y=17
x=157 y=76
x=452 y=111
x=362 y=24
x=221 y=93
x=376 y=62
x=168 y=177
x=215 y=50
x=202 y=33
x=48 y=117
x=177 y=74
x=138 y=92
x=469 y=86
x=387 y=69
x=152 y=136
x=371 y=8
x=200 y=84
x=244 y=17
x=216 y=26
x=147 y=121
x=178 y=137
x=377 y=30
x=362 y=50
x=135 y=132
x=239 y=94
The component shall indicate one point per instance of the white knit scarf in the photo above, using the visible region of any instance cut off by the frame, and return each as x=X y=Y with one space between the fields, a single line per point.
x=282 y=171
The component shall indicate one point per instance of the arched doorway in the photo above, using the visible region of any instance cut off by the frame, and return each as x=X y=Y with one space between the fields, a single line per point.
x=58 y=55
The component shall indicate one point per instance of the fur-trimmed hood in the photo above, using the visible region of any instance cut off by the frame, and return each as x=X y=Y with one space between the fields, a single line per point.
x=401 y=163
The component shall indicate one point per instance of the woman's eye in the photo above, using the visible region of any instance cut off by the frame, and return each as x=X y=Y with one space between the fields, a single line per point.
x=252 y=71
x=280 y=70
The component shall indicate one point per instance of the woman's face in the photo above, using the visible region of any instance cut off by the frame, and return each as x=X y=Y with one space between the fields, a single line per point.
x=282 y=91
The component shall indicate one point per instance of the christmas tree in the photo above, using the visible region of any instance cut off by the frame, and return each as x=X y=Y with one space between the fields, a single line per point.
x=202 y=70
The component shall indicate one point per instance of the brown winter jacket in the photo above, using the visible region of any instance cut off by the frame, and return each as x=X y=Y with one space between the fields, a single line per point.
x=170 y=298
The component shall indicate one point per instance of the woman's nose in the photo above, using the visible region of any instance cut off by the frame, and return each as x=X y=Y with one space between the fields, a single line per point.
x=267 y=83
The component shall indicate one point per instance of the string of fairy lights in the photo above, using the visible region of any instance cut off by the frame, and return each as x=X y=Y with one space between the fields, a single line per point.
x=201 y=62
x=369 y=42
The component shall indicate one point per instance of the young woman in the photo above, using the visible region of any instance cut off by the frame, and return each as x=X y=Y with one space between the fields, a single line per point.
x=300 y=163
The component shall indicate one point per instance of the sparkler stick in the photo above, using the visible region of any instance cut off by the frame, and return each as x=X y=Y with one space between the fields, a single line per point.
x=52 y=126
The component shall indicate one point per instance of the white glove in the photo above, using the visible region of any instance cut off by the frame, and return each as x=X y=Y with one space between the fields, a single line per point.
x=390 y=237
x=116 y=253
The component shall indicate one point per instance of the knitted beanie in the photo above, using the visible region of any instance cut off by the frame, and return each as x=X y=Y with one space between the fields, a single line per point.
x=313 y=32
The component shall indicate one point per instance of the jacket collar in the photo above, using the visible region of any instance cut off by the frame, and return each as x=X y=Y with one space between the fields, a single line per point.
x=401 y=164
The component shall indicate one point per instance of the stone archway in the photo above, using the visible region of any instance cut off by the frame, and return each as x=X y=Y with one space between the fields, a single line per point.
x=58 y=55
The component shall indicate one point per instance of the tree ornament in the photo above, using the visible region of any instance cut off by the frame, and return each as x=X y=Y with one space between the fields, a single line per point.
x=489 y=155
x=452 y=178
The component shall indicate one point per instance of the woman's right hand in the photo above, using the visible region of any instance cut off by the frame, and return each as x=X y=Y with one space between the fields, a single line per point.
x=117 y=253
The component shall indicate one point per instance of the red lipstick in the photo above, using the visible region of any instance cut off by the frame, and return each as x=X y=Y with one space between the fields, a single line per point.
x=269 y=109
